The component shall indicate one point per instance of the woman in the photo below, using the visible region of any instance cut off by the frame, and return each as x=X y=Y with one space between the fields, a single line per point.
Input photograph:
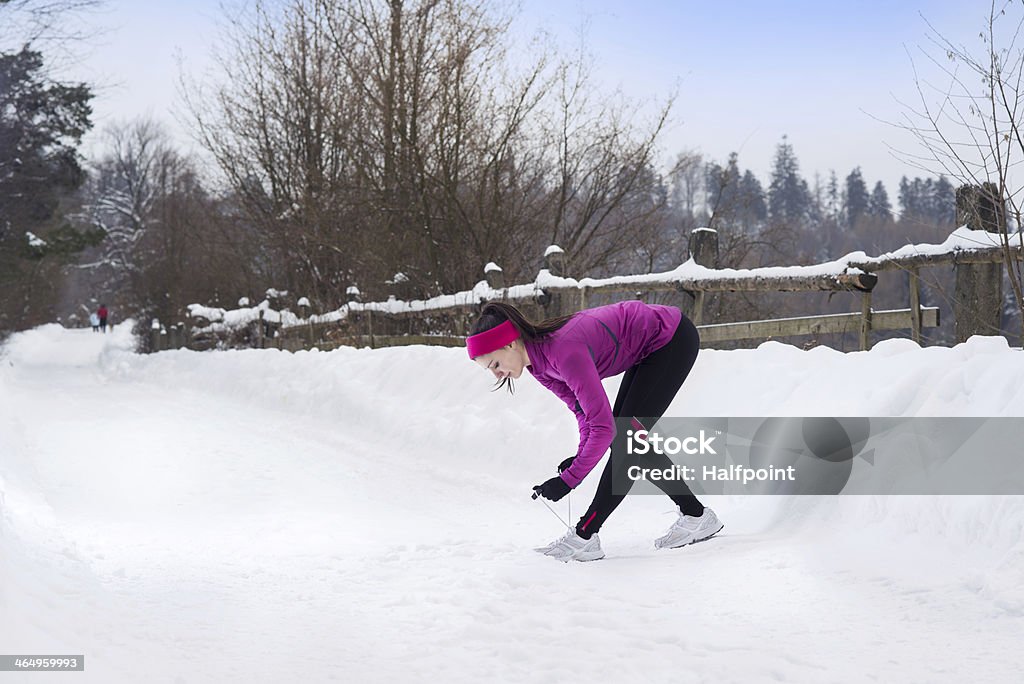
x=655 y=345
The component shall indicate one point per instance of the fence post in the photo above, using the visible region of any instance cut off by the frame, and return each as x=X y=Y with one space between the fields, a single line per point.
x=865 y=321
x=704 y=252
x=495 y=276
x=915 y=304
x=259 y=330
x=304 y=310
x=555 y=263
x=154 y=336
x=400 y=287
x=186 y=329
x=274 y=298
x=978 y=296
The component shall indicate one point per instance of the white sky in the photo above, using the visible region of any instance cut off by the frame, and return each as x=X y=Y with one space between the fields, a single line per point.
x=746 y=73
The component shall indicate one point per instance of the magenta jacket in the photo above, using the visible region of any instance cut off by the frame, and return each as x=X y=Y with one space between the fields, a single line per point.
x=597 y=343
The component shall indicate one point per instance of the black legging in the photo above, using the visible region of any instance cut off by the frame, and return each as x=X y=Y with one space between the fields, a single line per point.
x=646 y=391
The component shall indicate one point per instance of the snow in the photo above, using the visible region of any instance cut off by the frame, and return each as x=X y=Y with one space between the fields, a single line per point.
x=481 y=291
x=303 y=301
x=223 y=319
x=34 y=240
x=491 y=267
x=364 y=515
x=553 y=249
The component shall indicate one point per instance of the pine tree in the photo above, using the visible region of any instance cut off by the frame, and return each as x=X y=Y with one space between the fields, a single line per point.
x=856 y=198
x=833 y=206
x=789 y=198
x=945 y=201
x=755 y=210
x=878 y=204
x=737 y=201
x=909 y=206
x=41 y=125
x=927 y=200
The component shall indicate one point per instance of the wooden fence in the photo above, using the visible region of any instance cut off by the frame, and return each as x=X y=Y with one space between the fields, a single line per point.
x=444 y=320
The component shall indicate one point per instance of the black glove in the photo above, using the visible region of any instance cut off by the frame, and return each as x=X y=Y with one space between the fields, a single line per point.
x=554 y=489
x=566 y=464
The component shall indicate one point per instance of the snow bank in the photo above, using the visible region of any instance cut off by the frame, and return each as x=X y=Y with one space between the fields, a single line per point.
x=363 y=515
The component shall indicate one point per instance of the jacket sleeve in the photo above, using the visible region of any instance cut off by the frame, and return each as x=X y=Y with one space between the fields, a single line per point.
x=597 y=426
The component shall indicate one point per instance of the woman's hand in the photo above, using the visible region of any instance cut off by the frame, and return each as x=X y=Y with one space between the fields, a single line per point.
x=566 y=464
x=554 y=489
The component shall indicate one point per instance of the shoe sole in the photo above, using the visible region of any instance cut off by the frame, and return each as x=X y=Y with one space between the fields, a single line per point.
x=586 y=558
x=582 y=559
x=695 y=541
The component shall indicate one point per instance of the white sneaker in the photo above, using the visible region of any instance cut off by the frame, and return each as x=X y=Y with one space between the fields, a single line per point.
x=573 y=547
x=688 y=530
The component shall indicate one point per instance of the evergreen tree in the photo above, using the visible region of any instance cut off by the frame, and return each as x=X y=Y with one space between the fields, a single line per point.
x=945 y=201
x=907 y=199
x=878 y=204
x=856 y=198
x=41 y=125
x=755 y=210
x=927 y=200
x=833 y=207
x=737 y=201
x=789 y=198
x=723 y=187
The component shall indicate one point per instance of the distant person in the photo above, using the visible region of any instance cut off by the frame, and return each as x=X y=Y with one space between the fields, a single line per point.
x=102 y=313
x=656 y=346
x=94 y=321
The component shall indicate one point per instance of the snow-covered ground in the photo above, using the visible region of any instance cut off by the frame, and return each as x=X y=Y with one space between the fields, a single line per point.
x=364 y=516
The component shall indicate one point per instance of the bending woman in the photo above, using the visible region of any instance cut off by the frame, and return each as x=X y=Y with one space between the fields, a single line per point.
x=654 y=345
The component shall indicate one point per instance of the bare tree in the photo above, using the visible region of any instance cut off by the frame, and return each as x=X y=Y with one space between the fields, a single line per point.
x=166 y=241
x=369 y=137
x=970 y=127
x=53 y=25
x=602 y=163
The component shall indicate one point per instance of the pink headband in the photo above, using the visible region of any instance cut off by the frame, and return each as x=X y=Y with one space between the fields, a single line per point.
x=489 y=340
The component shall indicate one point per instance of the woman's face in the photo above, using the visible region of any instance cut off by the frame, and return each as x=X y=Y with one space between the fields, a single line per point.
x=508 y=361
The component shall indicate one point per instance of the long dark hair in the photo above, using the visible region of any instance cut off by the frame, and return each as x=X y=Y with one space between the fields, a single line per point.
x=495 y=313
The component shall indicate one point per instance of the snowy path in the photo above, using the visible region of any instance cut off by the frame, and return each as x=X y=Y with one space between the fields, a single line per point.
x=260 y=516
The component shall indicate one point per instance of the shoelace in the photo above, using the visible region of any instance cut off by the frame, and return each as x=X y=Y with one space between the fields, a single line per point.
x=555 y=513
